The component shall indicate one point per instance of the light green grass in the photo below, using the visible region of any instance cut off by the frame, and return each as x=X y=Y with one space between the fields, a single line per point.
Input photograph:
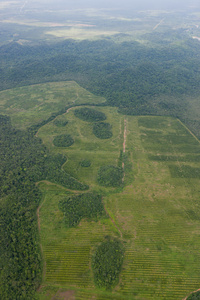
x=31 y=104
x=80 y=33
x=86 y=144
x=157 y=216
x=67 y=252
x=160 y=217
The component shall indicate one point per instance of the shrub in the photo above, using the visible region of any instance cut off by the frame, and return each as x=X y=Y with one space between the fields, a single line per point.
x=60 y=123
x=76 y=207
x=107 y=263
x=85 y=163
x=102 y=130
x=63 y=140
x=110 y=176
x=89 y=114
x=194 y=296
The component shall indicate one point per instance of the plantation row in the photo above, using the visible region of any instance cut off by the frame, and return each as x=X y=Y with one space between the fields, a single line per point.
x=68 y=264
x=180 y=147
x=82 y=295
x=146 y=276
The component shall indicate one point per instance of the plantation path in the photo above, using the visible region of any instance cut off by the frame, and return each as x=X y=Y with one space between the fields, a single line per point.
x=112 y=220
x=189 y=130
x=62 y=187
x=124 y=145
x=158 y=24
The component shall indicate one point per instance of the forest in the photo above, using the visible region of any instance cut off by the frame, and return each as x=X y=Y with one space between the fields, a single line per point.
x=24 y=162
x=129 y=75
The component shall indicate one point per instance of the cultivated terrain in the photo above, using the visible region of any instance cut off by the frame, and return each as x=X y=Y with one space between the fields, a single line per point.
x=100 y=154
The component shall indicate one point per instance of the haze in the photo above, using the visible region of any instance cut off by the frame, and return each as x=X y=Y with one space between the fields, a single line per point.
x=111 y=4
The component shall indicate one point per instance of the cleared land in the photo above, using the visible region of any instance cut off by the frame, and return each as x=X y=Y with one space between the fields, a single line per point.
x=157 y=214
x=79 y=33
x=30 y=105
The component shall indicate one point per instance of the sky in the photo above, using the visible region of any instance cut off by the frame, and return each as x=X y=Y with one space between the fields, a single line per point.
x=137 y=4
x=110 y=4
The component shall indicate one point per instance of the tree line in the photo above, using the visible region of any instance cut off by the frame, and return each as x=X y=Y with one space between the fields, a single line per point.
x=24 y=161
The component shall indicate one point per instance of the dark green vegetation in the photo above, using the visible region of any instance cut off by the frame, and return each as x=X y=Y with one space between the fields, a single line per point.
x=77 y=207
x=24 y=161
x=110 y=176
x=185 y=158
x=184 y=171
x=102 y=130
x=85 y=163
x=144 y=80
x=89 y=114
x=107 y=262
x=60 y=123
x=63 y=140
x=194 y=296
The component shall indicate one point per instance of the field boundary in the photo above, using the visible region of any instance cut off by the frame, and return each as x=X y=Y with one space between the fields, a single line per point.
x=189 y=130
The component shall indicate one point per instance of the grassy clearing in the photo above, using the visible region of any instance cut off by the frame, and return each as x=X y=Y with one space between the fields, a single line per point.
x=158 y=215
x=30 y=105
x=86 y=145
x=80 y=33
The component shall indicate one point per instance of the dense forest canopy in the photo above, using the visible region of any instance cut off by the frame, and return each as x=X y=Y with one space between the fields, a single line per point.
x=139 y=79
x=24 y=161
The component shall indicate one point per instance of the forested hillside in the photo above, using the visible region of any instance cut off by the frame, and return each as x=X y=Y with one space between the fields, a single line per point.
x=139 y=79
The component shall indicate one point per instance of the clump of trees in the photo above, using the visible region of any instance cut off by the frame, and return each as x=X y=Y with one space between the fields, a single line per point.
x=63 y=140
x=194 y=296
x=89 y=114
x=107 y=263
x=77 y=207
x=85 y=163
x=102 y=130
x=61 y=177
x=60 y=122
x=110 y=176
x=20 y=269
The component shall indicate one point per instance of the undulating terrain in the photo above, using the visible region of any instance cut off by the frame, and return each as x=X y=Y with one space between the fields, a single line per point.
x=100 y=154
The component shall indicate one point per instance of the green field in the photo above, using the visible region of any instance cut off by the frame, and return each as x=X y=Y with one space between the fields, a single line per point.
x=30 y=105
x=156 y=213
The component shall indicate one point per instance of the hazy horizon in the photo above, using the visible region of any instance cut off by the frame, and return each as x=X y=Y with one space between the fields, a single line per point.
x=100 y=4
